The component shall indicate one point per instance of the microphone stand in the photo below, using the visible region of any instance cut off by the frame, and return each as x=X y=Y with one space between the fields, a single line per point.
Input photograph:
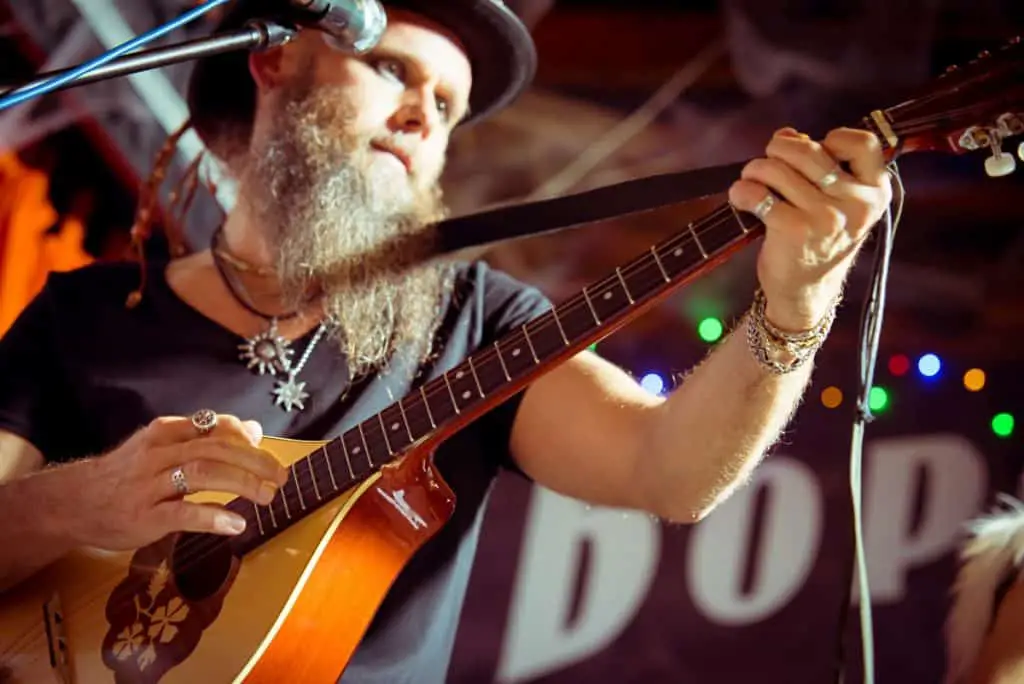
x=257 y=34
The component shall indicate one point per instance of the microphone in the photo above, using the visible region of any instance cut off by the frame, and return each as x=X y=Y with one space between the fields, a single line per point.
x=348 y=25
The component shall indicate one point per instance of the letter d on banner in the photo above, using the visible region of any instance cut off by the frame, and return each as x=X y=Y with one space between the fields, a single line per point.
x=625 y=547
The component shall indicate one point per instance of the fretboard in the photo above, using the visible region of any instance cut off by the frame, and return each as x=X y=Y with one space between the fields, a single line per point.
x=497 y=372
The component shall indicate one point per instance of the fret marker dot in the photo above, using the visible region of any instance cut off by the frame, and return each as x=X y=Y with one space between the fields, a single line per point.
x=458 y=375
x=678 y=252
x=515 y=352
x=608 y=294
x=467 y=394
x=394 y=427
x=355 y=450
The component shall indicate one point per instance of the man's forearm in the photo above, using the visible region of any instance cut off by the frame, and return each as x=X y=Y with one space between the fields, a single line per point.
x=31 y=536
x=714 y=428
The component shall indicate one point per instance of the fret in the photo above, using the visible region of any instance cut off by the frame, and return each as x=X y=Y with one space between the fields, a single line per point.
x=348 y=463
x=697 y=240
x=427 y=404
x=545 y=338
x=675 y=256
x=489 y=370
x=284 y=499
x=554 y=313
x=405 y=421
x=464 y=390
x=529 y=343
x=312 y=476
x=504 y=368
x=590 y=305
x=657 y=260
x=362 y=436
x=643 y=277
x=476 y=377
x=358 y=459
x=514 y=354
x=720 y=234
x=273 y=518
x=420 y=423
x=440 y=401
x=578 y=317
x=298 y=487
x=622 y=281
x=609 y=299
x=384 y=431
x=376 y=442
x=739 y=219
x=450 y=392
x=259 y=520
x=391 y=421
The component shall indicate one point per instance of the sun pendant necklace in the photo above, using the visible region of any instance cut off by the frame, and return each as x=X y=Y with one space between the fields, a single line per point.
x=268 y=352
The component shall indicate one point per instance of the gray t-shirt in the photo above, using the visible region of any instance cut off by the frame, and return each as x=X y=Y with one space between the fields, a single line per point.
x=81 y=373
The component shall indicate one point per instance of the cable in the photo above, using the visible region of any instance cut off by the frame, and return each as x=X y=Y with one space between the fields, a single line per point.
x=870 y=333
x=20 y=95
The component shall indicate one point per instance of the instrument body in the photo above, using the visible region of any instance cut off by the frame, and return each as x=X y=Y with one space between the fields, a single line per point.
x=293 y=609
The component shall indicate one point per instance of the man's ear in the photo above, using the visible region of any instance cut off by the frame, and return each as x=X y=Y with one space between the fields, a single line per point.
x=270 y=68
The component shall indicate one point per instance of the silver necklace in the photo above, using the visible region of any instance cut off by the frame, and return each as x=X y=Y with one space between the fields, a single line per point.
x=289 y=394
x=268 y=352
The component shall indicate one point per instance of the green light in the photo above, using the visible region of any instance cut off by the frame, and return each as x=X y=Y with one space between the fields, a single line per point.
x=878 y=399
x=1002 y=424
x=710 y=329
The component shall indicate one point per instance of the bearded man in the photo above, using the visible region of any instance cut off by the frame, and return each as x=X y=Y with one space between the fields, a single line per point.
x=314 y=275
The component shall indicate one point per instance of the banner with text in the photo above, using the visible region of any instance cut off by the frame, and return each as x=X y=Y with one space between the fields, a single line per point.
x=564 y=592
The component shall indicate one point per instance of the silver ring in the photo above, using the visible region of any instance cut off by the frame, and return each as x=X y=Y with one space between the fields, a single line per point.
x=204 y=420
x=179 y=481
x=764 y=206
x=829 y=178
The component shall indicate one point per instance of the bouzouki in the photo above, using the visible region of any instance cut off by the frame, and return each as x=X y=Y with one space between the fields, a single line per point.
x=291 y=598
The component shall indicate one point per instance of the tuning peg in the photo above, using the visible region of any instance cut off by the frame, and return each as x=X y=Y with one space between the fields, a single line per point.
x=1000 y=164
x=1020 y=151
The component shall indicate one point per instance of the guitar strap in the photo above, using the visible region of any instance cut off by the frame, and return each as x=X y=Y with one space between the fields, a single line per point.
x=546 y=216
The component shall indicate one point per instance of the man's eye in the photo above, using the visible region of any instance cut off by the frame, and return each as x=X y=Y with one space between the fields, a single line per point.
x=392 y=68
x=444 y=107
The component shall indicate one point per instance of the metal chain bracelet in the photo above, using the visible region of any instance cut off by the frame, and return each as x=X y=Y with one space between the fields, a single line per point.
x=779 y=351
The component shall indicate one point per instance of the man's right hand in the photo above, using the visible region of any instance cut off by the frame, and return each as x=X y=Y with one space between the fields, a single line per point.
x=127 y=498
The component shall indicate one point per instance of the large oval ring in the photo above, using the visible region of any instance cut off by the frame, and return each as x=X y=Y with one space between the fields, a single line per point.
x=179 y=482
x=204 y=420
x=764 y=206
x=829 y=178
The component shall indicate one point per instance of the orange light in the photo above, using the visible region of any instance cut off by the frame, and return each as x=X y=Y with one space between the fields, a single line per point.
x=974 y=379
x=831 y=397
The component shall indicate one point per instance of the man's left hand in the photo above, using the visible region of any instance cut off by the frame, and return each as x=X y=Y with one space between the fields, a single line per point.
x=818 y=220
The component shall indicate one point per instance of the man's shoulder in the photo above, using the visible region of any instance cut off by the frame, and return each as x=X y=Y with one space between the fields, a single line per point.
x=98 y=277
x=501 y=299
x=493 y=283
x=97 y=290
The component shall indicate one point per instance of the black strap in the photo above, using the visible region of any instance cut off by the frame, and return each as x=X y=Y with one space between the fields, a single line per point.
x=533 y=218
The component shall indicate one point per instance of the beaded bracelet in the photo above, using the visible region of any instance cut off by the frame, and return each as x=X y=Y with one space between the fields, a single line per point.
x=768 y=342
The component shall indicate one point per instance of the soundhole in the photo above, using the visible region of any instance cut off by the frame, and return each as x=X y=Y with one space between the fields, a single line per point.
x=201 y=564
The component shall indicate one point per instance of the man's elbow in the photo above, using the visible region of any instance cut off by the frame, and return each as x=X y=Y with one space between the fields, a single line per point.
x=694 y=503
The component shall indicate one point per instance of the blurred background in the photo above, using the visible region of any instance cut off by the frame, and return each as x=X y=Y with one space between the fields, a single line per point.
x=567 y=593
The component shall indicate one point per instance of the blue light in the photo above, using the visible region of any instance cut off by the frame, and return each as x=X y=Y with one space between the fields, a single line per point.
x=653 y=383
x=929 y=365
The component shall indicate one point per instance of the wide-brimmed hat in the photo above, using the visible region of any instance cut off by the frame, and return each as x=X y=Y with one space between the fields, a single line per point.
x=502 y=55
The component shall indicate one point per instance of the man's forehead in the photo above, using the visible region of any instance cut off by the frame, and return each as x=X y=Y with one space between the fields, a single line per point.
x=431 y=43
x=403 y=22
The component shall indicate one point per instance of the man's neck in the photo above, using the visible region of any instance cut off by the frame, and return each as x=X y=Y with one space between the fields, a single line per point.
x=245 y=239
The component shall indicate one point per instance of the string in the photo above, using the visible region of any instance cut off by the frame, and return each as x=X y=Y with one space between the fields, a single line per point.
x=195 y=548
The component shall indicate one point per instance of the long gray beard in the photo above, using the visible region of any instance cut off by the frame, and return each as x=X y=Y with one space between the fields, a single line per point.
x=355 y=233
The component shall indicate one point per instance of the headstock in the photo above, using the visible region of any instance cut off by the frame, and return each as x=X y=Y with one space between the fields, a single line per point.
x=971 y=107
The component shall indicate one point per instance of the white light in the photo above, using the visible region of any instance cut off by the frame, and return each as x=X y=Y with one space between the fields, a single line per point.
x=653 y=383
